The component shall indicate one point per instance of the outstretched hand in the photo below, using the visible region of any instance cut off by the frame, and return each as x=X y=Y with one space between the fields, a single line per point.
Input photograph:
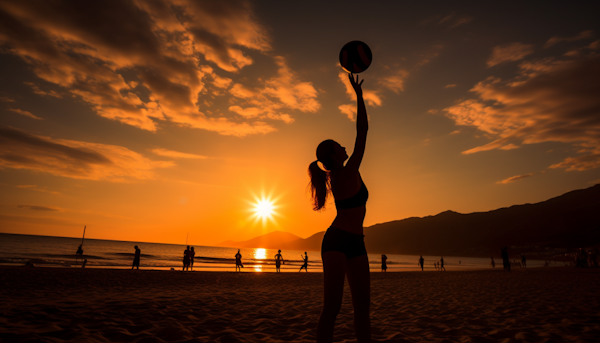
x=355 y=84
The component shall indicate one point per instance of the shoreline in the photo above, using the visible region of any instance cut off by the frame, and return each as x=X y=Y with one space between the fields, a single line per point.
x=113 y=305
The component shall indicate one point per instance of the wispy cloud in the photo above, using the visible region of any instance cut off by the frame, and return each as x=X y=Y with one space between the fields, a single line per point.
x=37 y=208
x=157 y=61
x=508 y=53
x=37 y=189
x=73 y=159
x=24 y=113
x=176 y=154
x=395 y=81
x=451 y=85
x=6 y=99
x=516 y=178
x=557 y=39
x=550 y=101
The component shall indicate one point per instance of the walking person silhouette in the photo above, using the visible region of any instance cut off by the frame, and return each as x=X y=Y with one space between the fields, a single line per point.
x=238 y=261
x=305 y=265
x=343 y=249
x=278 y=261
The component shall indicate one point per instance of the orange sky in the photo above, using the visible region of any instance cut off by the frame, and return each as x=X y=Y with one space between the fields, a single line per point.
x=147 y=121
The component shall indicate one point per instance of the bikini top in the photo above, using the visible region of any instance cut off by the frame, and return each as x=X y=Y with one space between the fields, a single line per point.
x=357 y=200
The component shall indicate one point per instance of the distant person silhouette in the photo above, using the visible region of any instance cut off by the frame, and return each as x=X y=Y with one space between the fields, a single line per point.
x=238 y=261
x=79 y=253
x=278 y=261
x=523 y=261
x=136 y=258
x=384 y=263
x=442 y=264
x=192 y=255
x=84 y=263
x=505 y=261
x=421 y=262
x=186 y=258
x=343 y=249
x=493 y=263
x=305 y=265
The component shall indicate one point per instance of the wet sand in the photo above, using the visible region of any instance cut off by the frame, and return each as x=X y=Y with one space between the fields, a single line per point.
x=101 y=305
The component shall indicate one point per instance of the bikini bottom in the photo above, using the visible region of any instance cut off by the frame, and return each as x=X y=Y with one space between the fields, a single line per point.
x=350 y=244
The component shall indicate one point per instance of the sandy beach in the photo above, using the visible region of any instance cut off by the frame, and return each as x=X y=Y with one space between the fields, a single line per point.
x=103 y=305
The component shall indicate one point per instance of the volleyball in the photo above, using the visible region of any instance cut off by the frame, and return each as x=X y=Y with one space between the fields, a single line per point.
x=355 y=57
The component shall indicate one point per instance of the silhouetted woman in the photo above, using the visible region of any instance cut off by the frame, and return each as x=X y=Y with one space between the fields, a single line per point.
x=278 y=261
x=343 y=249
x=384 y=263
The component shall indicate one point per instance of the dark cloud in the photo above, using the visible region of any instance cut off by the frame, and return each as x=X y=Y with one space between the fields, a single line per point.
x=162 y=46
x=74 y=159
x=552 y=100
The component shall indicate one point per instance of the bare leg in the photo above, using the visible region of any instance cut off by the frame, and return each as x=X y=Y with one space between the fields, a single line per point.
x=359 y=279
x=334 y=273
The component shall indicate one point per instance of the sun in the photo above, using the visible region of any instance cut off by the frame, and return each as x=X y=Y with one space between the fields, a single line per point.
x=264 y=209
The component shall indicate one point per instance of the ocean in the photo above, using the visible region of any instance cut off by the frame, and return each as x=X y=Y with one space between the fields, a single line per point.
x=47 y=251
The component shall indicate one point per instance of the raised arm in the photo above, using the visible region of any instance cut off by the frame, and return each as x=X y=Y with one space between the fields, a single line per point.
x=362 y=125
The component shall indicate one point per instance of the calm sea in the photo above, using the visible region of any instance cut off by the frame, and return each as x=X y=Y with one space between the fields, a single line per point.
x=45 y=251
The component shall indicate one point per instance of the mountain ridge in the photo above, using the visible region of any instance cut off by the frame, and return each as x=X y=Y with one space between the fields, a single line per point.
x=547 y=228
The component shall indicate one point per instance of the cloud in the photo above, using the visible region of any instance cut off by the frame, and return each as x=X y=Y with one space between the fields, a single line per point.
x=36 y=89
x=508 y=53
x=550 y=101
x=73 y=159
x=156 y=61
x=176 y=154
x=450 y=85
x=24 y=113
x=453 y=20
x=6 y=99
x=37 y=189
x=271 y=97
x=395 y=82
x=557 y=39
x=38 y=208
x=515 y=178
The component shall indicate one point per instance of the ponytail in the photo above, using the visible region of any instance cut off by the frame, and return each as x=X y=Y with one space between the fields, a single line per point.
x=319 y=185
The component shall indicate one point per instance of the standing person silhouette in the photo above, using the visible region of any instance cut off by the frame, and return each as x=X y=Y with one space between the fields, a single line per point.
x=442 y=264
x=192 y=255
x=343 y=249
x=136 y=258
x=421 y=262
x=278 y=261
x=384 y=263
x=186 y=258
x=305 y=265
x=238 y=261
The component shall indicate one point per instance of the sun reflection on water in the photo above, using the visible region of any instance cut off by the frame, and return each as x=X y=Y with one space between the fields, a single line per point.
x=259 y=254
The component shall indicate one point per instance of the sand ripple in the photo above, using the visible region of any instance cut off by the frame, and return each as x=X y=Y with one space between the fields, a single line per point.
x=93 y=305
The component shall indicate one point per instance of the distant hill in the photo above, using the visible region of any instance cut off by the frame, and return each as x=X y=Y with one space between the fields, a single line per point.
x=271 y=240
x=547 y=228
